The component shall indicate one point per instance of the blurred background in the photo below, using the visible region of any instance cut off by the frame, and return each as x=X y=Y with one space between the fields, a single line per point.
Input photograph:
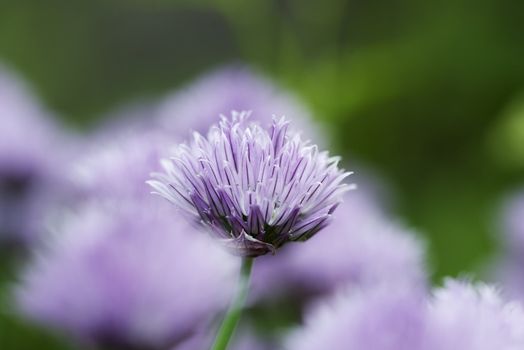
x=429 y=95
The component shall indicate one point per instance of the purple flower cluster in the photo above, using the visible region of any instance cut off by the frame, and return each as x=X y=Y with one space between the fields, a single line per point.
x=463 y=316
x=257 y=189
x=457 y=316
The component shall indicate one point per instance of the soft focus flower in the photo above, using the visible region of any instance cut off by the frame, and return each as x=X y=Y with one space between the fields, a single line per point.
x=199 y=105
x=128 y=275
x=119 y=164
x=256 y=188
x=458 y=316
x=362 y=247
x=30 y=153
x=375 y=319
x=463 y=316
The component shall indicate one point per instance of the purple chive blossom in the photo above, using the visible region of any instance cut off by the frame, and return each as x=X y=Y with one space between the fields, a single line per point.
x=128 y=275
x=372 y=319
x=457 y=316
x=362 y=247
x=198 y=106
x=256 y=188
x=464 y=316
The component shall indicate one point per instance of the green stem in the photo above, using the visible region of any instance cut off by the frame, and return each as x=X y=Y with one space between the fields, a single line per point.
x=235 y=310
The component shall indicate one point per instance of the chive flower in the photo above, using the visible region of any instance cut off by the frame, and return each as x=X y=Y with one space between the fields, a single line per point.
x=256 y=188
x=459 y=315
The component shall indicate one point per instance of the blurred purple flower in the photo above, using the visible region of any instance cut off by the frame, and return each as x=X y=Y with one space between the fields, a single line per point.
x=199 y=105
x=257 y=189
x=371 y=319
x=458 y=316
x=476 y=317
x=362 y=247
x=128 y=274
x=30 y=155
x=119 y=164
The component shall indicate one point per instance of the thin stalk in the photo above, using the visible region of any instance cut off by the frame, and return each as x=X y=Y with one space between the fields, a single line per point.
x=232 y=317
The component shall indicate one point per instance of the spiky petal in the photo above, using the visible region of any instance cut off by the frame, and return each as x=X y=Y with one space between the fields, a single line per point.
x=256 y=188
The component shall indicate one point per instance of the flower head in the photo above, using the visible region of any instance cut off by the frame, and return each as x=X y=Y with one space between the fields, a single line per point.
x=373 y=319
x=474 y=316
x=118 y=165
x=458 y=316
x=256 y=188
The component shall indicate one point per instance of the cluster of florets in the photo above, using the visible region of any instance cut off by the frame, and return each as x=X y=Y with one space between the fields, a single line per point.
x=458 y=316
x=256 y=188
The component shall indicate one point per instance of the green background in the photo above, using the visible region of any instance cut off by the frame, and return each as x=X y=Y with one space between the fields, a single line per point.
x=430 y=94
